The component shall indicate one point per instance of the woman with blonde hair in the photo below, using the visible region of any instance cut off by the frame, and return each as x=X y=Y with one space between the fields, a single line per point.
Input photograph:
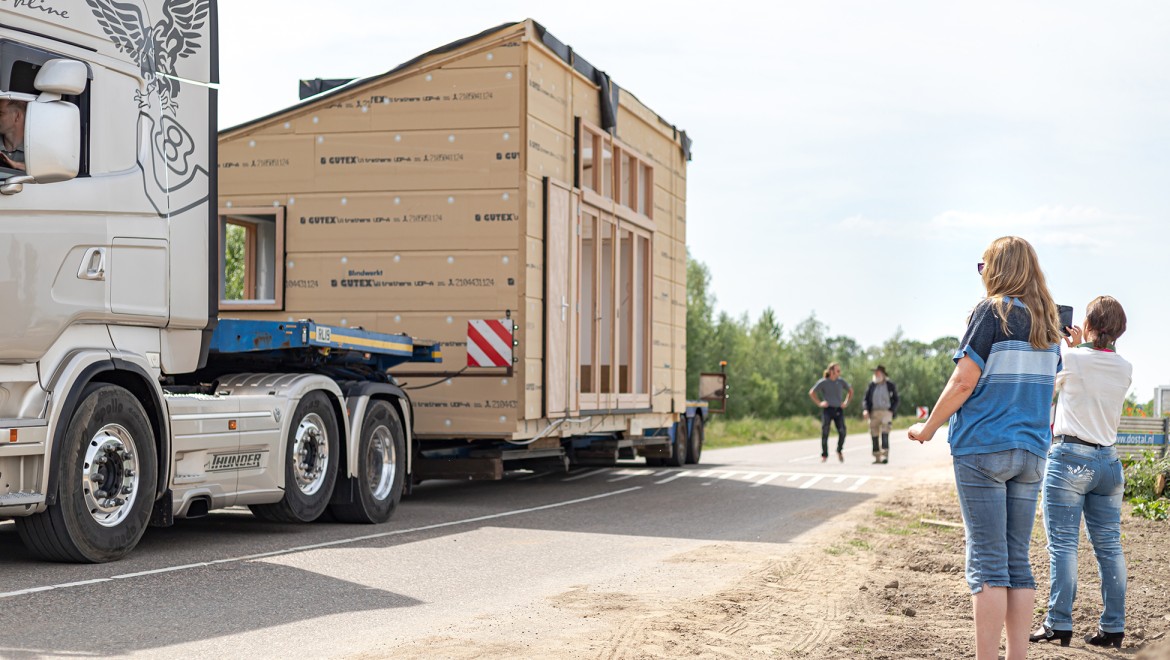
x=997 y=401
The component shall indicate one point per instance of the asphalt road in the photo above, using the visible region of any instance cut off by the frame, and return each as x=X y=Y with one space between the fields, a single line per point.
x=233 y=586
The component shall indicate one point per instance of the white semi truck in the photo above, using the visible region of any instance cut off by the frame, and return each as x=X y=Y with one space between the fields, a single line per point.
x=124 y=400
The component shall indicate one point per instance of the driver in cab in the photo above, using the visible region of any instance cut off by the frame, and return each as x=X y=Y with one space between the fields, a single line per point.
x=12 y=134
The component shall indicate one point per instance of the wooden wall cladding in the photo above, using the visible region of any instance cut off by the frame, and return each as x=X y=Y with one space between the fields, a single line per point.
x=446 y=220
x=550 y=152
x=508 y=51
x=549 y=88
x=486 y=406
x=436 y=99
x=404 y=281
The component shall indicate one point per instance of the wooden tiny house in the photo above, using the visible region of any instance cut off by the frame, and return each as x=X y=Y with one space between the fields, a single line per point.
x=498 y=194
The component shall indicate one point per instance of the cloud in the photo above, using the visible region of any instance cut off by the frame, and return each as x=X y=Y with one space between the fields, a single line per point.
x=1060 y=226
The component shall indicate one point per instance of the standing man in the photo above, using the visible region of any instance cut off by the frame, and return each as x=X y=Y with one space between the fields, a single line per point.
x=12 y=134
x=835 y=393
x=879 y=407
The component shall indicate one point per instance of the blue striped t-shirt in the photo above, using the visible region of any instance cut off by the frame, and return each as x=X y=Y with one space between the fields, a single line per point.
x=1009 y=408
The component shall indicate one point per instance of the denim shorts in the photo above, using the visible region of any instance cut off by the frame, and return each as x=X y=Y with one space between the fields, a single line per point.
x=998 y=493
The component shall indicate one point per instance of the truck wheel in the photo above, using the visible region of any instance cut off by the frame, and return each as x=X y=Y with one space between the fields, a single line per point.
x=678 y=449
x=106 y=478
x=695 y=440
x=310 y=463
x=373 y=494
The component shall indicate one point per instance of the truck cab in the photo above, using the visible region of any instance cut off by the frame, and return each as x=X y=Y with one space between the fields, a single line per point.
x=115 y=409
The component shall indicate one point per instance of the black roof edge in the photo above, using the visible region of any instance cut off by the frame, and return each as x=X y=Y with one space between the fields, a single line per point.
x=562 y=50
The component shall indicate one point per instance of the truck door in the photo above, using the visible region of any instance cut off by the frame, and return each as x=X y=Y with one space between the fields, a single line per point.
x=561 y=389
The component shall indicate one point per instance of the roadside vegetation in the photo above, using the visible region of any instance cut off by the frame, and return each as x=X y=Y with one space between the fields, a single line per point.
x=1146 y=477
x=771 y=368
x=731 y=432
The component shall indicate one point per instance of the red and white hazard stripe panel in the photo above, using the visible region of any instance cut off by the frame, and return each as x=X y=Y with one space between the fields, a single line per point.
x=489 y=343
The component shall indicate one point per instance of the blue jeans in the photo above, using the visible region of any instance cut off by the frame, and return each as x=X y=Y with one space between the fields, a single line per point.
x=1084 y=479
x=997 y=493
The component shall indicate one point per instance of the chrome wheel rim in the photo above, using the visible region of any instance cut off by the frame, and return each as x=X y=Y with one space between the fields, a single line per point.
x=310 y=455
x=109 y=475
x=380 y=463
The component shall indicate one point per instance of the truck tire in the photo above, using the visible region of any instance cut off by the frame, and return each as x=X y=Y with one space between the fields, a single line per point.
x=107 y=473
x=695 y=440
x=372 y=495
x=678 y=448
x=310 y=463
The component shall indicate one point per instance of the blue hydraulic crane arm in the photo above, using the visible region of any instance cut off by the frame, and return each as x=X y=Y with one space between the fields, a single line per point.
x=274 y=338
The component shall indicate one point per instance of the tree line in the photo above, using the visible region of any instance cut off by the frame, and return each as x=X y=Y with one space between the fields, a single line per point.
x=771 y=368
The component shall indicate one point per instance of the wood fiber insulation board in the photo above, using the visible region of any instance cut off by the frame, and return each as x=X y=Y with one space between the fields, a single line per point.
x=406 y=281
x=533 y=389
x=586 y=100
x=448 y=220
x=264 y=163
x=662 y=345
x=661 y=295
x=534 y=208
x=533 y=285
x=449 y=328
x=549 y=88
x=464 y=406
x=661 y=386
x=436 y=99
x=550 y=152
x=509 y=52
x=416 y=160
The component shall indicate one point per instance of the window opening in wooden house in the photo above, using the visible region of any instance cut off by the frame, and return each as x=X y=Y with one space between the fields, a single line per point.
x=251 y=259
x=607 y=325
x=633 y=318
x=587 y=314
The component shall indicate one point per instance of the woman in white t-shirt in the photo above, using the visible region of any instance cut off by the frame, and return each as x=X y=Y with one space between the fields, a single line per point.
x=1084 y=475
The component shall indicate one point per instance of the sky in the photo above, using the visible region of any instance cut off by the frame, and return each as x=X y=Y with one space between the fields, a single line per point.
x=852 y=159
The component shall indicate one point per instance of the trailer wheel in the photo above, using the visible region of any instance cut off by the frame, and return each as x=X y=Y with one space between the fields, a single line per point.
x=373 y=494
x=678 y=448
x=106 y=480
x=310 y=463
x=695 y=440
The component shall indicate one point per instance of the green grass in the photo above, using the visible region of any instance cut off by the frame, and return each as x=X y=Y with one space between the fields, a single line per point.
x=723 y=432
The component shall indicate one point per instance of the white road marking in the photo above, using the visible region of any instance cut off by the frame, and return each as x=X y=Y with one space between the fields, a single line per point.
x=534 y=476
x=728 y=474
x=857 y=484
x=840 y=479
x=632 y=473
x=326 y=544
x=811 y=482
x=680 y=473
x=795 y=477
x=766 y=479
x=590 y=473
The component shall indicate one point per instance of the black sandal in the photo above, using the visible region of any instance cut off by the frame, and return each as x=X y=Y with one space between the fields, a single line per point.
x=1102 y=638
x=1046 y=634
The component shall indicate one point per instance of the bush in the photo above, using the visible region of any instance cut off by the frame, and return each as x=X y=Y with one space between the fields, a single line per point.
x=1142 y=473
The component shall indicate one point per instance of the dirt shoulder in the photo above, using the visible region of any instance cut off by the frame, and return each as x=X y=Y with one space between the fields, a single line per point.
x=892 y=587
x=882 y=581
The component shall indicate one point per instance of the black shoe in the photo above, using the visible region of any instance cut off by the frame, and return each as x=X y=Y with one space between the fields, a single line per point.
x=1102 y=638
x=885 y=460
x=841 y=456
x=1046 y=634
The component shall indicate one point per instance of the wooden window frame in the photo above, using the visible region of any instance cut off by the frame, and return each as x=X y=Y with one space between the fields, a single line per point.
x=252 y=304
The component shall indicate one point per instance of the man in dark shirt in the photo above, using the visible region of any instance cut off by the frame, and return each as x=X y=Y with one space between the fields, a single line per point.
x=878 y=407
x=835 y=393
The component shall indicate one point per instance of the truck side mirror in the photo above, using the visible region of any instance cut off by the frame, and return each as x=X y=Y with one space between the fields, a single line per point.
x=52 y=141
x=61 y=77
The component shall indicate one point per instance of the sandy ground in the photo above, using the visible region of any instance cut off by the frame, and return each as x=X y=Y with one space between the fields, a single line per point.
x=877 y=582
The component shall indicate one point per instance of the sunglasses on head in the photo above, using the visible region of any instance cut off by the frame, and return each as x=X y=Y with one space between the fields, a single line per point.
x=979 y=267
